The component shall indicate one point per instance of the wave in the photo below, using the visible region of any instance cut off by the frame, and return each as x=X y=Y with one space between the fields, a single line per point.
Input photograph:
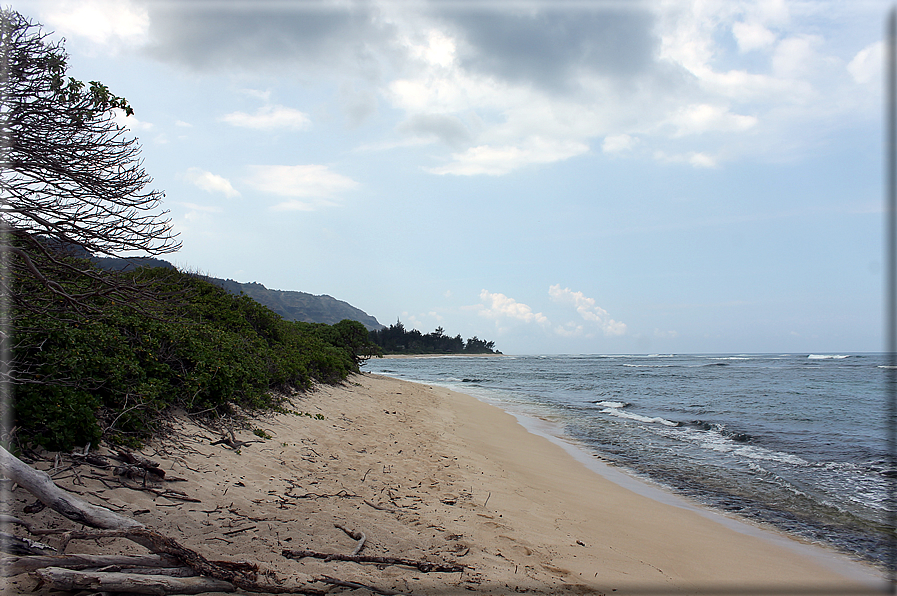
x=715 y=437
x=611 y=404
x=828 y=356
x=619 y=413
x=650 y=365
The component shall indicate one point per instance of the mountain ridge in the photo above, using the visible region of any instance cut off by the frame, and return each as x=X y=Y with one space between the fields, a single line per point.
x=290 y=304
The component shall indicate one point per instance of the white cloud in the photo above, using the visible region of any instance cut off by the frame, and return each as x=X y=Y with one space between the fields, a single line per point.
x=587 y=309
x=104 y=22
x=439 y=49
x=702 y=160
x=210 y=182
x=315 y=182
x=794 y=57
x=618 y=143
x=570 y=329
x=182 y=124
x=694 y=158
x=701 y=118
x=752 y=36
x=496 y=161
x=499 y=306
x=867 y=64
x=269 y=117
x=129 y=122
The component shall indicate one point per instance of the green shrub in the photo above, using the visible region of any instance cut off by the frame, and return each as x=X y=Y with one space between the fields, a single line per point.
x=113 y=372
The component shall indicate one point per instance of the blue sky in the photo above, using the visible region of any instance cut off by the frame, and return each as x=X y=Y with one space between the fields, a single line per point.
x=559 y=177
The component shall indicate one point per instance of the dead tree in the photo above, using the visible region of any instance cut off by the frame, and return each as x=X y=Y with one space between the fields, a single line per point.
x=70 y=176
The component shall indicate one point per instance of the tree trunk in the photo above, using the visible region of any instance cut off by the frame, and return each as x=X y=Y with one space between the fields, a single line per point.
x=42 y=486
x=66 y=579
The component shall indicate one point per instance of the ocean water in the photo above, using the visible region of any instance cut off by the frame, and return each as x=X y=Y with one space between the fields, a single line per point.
x=794 y=440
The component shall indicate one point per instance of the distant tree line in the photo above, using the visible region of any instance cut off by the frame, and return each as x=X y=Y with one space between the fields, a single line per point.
x=395 y=339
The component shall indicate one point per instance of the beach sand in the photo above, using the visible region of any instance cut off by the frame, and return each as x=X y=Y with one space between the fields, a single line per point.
x=427 y=473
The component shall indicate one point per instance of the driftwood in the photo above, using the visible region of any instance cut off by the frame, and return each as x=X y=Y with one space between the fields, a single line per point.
x=424 y=566
x=359 y=536
x=112 y=524
x=231 y=441
x=357 y=586
x=141 y=462
x=42 y=486
x=16 y=565
x=112 y=575
x=13 y=545
x=67 y=579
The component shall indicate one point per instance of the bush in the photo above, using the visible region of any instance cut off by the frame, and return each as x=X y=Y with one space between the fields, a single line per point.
x=112 y=373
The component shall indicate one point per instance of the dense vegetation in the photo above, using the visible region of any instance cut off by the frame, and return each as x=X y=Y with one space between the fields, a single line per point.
x=109 y=372
x=395 y=339
x=101 y=354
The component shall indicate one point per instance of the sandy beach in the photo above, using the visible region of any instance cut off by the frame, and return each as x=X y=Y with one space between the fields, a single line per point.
x=429 y=474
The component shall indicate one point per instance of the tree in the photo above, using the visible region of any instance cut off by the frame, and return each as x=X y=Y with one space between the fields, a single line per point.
x=70 y=176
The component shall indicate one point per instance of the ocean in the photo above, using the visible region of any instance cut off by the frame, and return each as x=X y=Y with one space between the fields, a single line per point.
x=793 y=440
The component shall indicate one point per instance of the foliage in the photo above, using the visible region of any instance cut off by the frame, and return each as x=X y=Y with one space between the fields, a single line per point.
x=69 y=174
x=112 y=376
x=395 y=339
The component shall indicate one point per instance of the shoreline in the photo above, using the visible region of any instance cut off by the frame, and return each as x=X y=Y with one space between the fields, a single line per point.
x=428 y=473
x=397 y=356
x=842 y=562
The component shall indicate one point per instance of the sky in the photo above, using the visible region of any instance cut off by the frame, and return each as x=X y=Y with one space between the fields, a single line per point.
x=596 y=177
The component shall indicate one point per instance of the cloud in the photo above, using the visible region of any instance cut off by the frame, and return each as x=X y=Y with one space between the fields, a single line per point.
x=210 y=182
x=587 y=309
x=358 y=106
x=701 y=118
x=694 y=158
x=618 y=143
x=752 y=36
x=315 y=182
x=507 y=85
x=448 y=129
x=795 y=56
x=498 y=306
x=570 y=330
x=867 y=64
x=550 y=47
x=496 y=161
x=130 y=122
x=104 y=22
x=267 y=36
x=269 y=117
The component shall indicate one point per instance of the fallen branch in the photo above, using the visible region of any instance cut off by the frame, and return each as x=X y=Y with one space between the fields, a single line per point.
x=141 y=462
x=231 y=441
x=42 y=486
x=359 y=536
x=135 y=583
x=423 y=566
x=112 y=524
x=16 y=565
x=379 y=507
x=356 y=586
x=13 y=545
